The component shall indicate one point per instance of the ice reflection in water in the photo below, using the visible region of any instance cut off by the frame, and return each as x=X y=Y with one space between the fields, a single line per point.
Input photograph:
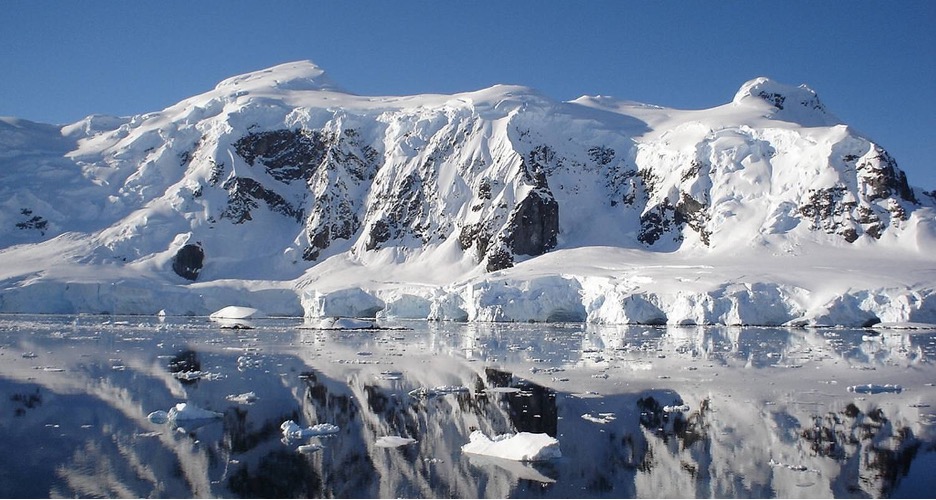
x=638 y=411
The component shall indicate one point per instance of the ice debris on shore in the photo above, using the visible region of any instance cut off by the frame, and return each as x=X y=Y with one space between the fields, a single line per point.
x=523 y=446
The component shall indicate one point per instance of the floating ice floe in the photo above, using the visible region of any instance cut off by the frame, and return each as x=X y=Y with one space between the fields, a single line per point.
x=393 y=441
x=502 y=390
x=291 y=430
x=676 y=408
x=425 y=392
x=246 y=398
x=346 y=324
x=182 y=412
x=196 y=375
x=390 y=375
x=523 y=446
x=797 y=468
x=599 y=418
x=874 y=388
x=236 y=312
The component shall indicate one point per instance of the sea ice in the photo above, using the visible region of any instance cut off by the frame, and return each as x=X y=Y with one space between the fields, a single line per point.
x=180 y=412
x=676 y=408
x=393 y=441
x=243 y=399
x=188 y=411
x=599 y=418
x=346 y=324
x=291 y=430
x=874 y=388
x=523 y=446
x=236 y=312
x=425 y=392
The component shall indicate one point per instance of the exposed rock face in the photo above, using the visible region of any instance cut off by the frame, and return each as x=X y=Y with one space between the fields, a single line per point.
x=534 y=224
x=188 y=261
x=287 y=155
x=244 y=194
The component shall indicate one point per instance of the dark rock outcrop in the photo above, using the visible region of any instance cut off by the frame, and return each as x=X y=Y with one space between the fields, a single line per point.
x=287 y=155
x=243 y=195
x=188 y=261
x=534 y=224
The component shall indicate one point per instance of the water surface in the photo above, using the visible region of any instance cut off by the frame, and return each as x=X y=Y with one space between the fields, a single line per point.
x=638 y=411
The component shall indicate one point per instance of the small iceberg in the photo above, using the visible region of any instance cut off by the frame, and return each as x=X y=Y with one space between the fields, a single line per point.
x=393 y=441
x=188 y=411
x=346 y=324
x=182 y=412
x=874 y=388
x=523 y=446
x=236 y=312
x=246 y=398
x=291 y=430
x=676 y=408
x=426 y=392
x=600 y=418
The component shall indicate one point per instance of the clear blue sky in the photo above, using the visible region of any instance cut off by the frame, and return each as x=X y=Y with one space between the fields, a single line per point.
x=873 y=63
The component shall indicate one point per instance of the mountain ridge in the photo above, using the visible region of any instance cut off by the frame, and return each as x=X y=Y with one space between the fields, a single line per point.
x=272 y=173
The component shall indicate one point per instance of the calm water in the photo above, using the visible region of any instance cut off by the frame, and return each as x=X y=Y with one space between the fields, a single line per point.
x=639 y=412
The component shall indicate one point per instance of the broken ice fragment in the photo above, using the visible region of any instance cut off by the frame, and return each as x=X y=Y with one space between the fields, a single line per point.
x=524 y=446
x=243 y=399
x=188 y=411
x=425 y=392
x=291 y=430
x=393 y=441
x=874 y=388
x=676 y=408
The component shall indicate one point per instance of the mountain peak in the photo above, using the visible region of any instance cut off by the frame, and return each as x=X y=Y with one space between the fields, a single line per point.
x=297 y=75
x=797 y=104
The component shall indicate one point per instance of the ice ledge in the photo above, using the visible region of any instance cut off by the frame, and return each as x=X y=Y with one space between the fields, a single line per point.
x=575 y=299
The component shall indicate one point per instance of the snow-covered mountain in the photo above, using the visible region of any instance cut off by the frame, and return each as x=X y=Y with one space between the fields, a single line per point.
x=279 y=190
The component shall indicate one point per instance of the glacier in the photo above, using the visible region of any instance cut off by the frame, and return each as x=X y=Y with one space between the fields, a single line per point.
x=279 y=191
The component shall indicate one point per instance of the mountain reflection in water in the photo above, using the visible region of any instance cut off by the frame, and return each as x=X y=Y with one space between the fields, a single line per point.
x=638 y=412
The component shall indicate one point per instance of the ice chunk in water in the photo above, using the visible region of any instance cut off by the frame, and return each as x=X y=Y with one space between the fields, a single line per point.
x=291 y=430
x=523 y=446
x=393 y=441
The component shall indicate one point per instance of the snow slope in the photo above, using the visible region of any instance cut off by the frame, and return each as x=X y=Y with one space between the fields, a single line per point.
x=278 y=190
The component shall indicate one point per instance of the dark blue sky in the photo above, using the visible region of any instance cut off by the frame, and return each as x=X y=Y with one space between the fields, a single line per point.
x=873 y=63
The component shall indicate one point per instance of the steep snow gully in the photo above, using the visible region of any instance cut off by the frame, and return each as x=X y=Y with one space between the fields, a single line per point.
x=279 y=191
